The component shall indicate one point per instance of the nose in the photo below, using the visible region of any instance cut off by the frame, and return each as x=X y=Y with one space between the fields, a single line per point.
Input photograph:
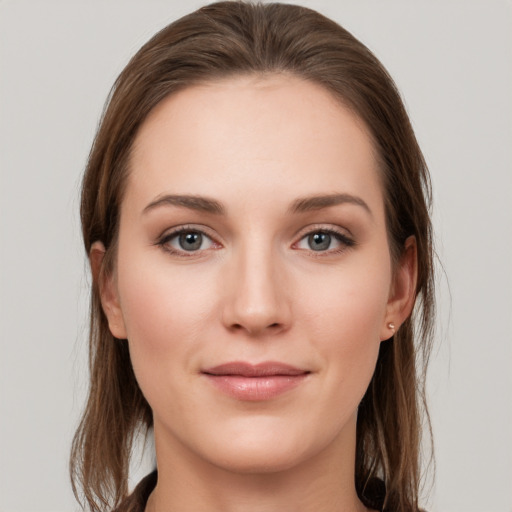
x=257 y=299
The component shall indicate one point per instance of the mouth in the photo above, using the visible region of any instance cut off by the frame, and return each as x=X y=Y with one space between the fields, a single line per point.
x=263 y=381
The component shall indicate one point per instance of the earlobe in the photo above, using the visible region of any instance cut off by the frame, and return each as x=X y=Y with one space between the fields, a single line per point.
x=108 y=291
x=403 y=291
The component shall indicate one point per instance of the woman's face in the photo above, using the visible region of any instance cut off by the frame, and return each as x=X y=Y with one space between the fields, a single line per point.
x=253 y=278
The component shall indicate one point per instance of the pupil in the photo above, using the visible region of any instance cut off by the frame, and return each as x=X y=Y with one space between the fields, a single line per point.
x=319 y=241
x=191 y=241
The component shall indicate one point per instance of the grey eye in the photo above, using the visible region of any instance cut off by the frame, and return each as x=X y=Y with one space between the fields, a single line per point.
x=319 y=241
x=190 y=241
x=186 y=241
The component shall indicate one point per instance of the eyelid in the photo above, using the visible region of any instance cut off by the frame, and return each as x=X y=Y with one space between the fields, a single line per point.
x=343 y=235
x=170 y=233
x=325 y=226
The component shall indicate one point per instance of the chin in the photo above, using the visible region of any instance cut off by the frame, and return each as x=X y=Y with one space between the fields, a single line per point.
x=258 y=459
x=256 y=438
x=267 y=447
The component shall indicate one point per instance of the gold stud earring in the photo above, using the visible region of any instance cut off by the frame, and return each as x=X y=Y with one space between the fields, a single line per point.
x=391 y=327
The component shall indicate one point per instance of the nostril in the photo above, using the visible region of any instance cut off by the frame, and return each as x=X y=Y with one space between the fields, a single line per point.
x=256 y=329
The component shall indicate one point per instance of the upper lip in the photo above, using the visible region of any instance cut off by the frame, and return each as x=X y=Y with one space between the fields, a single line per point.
x=264 y=369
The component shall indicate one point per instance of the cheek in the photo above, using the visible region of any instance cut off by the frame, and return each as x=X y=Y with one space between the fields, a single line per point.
x=165 y=309
x=158 y=297
x=348 y=303
x=343 y=314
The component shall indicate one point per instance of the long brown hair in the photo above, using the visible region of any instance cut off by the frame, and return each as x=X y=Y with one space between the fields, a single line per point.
x=234 y=38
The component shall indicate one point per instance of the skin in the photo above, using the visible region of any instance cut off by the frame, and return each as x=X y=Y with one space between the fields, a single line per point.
x=255 y=291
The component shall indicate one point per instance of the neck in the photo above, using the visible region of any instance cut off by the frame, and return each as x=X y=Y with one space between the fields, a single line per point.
x=188 y=483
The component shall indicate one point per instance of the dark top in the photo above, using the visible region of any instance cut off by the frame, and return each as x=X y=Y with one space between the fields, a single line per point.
x=137 y=500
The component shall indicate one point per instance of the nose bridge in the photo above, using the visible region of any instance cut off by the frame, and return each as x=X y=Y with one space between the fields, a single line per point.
x=257 y=298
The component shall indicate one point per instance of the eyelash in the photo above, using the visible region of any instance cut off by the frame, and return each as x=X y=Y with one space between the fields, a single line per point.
x=163 y=241
x=345 y=241
x=342 y=238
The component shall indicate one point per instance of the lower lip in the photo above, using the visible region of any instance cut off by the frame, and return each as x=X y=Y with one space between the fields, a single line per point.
x=255 y=388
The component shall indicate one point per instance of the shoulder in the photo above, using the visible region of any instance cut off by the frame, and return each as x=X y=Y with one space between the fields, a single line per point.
x=136 y=501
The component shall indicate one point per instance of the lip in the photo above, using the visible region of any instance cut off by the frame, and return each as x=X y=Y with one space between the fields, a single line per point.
x=263 y=381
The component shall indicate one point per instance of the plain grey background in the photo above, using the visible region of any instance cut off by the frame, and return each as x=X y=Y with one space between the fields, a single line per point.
x=451 y=59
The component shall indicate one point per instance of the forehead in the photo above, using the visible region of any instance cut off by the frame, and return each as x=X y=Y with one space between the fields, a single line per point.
x=244 y=136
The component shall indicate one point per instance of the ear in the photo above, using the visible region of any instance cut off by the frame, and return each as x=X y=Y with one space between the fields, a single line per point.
x=403 y=290
x=108 y=291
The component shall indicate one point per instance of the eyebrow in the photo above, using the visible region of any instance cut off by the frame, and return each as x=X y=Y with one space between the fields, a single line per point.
x=307 y=204
x=200 y=203
x=304 y=204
